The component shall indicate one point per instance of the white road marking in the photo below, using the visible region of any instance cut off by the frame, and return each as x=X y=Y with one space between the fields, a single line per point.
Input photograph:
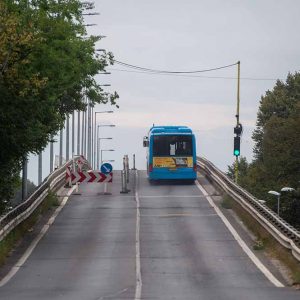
x=243 y=245
x=179 y=215
x=138 y=287
x=34 y=243
x=174 y=196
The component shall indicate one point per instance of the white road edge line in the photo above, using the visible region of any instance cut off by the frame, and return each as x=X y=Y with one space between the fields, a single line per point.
x=243 y=245
x=34 y=243
x=138 y=286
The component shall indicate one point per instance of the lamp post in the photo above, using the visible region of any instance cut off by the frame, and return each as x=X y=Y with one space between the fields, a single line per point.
x=277 y=194
x=108 y=160
x=108 y=150
x=98 y=149
x=97 y=141
x=94 y=125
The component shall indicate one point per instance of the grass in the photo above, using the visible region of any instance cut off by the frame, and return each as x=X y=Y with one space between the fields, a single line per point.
x=227 y=202
x=265 y=241
x=16 y=235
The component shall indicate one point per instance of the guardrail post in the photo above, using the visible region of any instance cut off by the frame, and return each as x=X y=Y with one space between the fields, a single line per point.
x=124 y=190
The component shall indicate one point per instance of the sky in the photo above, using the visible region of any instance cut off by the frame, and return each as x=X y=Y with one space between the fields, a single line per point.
x=190 y=35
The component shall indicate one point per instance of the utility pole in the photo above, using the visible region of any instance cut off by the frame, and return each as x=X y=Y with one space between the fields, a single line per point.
x=89 y=133
x=24 y=179
x=67 y=137
x=78 y=132
x=60 y=147
x=92 y=136
x=51 y=154
x=238 y=129
x=40 y=168
x=82 y=135
x=73 y=133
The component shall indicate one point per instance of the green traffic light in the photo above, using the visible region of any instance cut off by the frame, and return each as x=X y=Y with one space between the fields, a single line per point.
x=236 y=152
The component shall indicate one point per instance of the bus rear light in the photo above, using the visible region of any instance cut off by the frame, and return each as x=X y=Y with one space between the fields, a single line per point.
x=195 y=167
x=150 y=167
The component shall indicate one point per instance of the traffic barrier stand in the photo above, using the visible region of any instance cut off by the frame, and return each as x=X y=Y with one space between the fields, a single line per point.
x=133 y=162
x=106 y=189
x=68 y=177
x=124 y=190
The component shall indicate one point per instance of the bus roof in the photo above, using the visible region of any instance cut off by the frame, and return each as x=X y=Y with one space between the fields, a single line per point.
x=170 y=129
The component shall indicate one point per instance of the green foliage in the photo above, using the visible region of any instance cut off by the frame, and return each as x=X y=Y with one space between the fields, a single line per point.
x=12 y=239
x=277 y=149
x=242 y=170
x=227 y=202
x=47 y=67
x=259 y=245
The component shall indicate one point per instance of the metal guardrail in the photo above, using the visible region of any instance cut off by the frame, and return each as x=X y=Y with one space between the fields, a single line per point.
x=283 y=232
x=21 y=212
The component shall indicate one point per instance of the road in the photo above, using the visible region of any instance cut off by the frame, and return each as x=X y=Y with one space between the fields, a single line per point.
x=181 y=248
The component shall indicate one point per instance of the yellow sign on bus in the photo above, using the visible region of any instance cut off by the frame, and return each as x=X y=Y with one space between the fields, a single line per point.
x=173 y=162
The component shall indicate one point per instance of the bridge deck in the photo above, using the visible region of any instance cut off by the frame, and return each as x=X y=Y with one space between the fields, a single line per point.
x=186 y=252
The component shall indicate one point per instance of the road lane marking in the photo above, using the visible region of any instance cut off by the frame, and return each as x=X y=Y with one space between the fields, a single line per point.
x=179 y=215
x=174 y=196
x=242 y=244
x=138 y=286
x=34 y=243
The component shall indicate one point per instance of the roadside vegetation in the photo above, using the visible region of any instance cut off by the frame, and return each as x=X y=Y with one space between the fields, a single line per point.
x=47 y=69
x=15 y=236
x=276 y=162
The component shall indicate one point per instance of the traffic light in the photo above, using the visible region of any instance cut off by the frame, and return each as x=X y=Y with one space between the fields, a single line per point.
x=237 y=146
x=238 y=129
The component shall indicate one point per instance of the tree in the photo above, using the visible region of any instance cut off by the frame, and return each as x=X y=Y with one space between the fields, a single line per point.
x=277 y=148
x=47 y=67
x=279 y=102
x=242 y=170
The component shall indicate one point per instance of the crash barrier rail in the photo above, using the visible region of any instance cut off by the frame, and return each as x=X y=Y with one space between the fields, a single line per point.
x=21 y=212
x=283 y=232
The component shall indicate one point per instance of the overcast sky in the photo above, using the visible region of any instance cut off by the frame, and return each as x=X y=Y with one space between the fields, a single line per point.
x=189 y=35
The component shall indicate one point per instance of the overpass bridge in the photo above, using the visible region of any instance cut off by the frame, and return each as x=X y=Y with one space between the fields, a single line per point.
x=158 y=241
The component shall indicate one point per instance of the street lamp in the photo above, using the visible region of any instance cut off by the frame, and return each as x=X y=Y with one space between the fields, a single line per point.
x=108 y=150
x=94 y=142
x=284 y=189
x=108 y=160
x=97 y=146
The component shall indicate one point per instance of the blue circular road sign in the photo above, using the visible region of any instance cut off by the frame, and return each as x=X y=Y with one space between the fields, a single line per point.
x=106 y=168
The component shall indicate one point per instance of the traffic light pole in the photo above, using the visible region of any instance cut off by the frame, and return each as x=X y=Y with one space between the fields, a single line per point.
x=236 y=169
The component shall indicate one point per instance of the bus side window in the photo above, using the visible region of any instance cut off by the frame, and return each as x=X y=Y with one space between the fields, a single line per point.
x=172 y=149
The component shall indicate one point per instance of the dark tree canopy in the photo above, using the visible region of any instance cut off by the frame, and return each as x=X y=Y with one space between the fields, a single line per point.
x=276 y=161
x=47 y=67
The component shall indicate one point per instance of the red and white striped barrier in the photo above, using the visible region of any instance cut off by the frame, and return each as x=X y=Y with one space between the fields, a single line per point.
x=87 y=176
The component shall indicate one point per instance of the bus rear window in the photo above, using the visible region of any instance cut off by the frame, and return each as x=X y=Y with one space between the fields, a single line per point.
x=172 y=145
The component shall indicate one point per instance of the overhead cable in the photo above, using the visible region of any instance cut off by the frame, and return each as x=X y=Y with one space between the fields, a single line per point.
x=171 y=72
x=194 y=76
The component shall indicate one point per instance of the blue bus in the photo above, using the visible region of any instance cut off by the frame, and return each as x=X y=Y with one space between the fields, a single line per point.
x=171 y=153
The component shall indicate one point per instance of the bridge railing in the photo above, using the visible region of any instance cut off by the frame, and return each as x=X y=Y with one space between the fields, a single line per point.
x=282 y=231
x=21 y=212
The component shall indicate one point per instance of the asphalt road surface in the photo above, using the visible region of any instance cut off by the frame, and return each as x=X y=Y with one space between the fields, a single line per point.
x=163 y=242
